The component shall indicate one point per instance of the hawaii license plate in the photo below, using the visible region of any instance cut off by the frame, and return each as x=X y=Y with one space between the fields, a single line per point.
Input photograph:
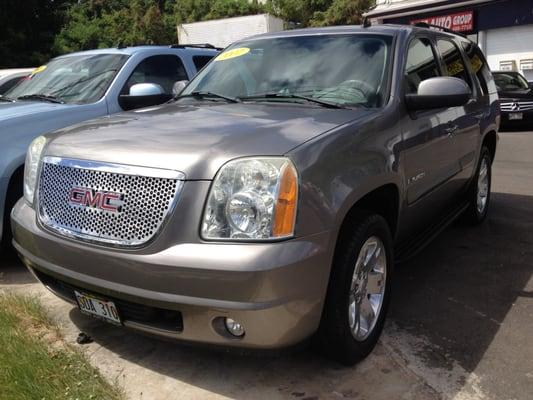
x=99 y=308
x=515 y=116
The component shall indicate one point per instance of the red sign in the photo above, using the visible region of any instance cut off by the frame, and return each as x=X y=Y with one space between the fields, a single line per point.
x=459 y=22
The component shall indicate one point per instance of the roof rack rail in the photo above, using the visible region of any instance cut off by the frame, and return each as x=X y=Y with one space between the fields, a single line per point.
x=437 y=27
x=366 y=23
x=195 y=45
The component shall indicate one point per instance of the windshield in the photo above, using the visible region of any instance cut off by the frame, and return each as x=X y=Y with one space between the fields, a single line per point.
x=510 y=82
x=76 y=79
x=348 y=70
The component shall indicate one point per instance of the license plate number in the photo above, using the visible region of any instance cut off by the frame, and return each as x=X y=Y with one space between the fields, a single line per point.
x=515 y=116
x=103 y=309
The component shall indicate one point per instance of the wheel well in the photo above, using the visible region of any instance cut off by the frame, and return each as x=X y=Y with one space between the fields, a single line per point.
x=383 y=201
x=490 y=142
x=15 y=187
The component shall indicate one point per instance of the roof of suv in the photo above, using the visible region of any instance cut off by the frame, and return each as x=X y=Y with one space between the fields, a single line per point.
x=390 y=29
x=140 y=49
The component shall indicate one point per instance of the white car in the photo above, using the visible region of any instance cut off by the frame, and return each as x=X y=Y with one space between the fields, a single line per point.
x=10 y=77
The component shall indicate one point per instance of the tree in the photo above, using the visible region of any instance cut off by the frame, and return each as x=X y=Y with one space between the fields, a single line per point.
x=342 y=12
x=27 y=30
x=107 y=23
x=320 y=12
x=299 y=12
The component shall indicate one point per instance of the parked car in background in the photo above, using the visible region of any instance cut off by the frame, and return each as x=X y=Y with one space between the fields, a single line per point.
x=10 y=77
x=516 y=98
x=269 y=202
x=81 y=86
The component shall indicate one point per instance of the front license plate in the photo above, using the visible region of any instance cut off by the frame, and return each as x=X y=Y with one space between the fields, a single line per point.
x=103 y=309
x=515 y=116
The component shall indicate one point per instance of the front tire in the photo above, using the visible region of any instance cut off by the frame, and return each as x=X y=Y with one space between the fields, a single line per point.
x=359 y=290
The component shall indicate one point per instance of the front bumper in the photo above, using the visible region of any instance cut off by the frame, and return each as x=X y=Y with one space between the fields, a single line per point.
x=275 y=290
x=507 y=119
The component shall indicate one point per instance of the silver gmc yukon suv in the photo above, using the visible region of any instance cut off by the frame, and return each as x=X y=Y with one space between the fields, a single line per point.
x=269 y=202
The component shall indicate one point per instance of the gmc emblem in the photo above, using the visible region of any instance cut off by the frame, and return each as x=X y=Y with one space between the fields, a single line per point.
x=90 y=198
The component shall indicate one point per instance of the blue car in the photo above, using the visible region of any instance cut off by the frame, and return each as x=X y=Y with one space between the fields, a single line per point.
x=81 y=86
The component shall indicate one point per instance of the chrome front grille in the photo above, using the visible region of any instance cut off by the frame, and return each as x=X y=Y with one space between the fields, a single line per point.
x=516 y=106
x=105 y=203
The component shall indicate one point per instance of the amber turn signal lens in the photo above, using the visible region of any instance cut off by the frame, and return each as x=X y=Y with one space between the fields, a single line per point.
x=285 y=214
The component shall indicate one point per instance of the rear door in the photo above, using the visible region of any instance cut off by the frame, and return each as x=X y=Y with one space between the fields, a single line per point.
x=464 y=131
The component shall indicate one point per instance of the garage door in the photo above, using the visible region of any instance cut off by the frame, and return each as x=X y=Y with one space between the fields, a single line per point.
x=510 y=44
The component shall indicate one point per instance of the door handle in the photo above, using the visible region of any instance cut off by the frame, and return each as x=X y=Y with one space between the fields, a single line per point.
x=451 y=129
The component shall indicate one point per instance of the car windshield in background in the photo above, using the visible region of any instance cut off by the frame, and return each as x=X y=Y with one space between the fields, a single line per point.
x=509 y=82
x=76 y=79
x=345 y=70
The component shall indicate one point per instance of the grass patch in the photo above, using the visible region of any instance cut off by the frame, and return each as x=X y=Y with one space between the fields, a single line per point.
x=35 y=363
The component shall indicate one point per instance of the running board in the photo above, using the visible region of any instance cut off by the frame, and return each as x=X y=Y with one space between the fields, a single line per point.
x=411 y=248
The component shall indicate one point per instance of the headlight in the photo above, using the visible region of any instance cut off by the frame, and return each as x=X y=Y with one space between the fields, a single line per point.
x=252 y=199
x=33 y=156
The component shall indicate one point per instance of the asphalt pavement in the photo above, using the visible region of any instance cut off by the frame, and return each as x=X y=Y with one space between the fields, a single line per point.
x=459 y=326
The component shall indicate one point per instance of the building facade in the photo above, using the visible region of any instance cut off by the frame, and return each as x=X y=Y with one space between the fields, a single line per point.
x=502 y=28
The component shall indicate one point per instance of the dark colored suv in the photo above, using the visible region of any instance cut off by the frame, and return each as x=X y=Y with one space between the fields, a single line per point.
x=270 y=201
x=516 y=98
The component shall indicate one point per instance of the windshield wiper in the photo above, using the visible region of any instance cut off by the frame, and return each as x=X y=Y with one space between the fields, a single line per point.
x=6 y=99
x=203 y=95
x=42 y=97
x=292 y=96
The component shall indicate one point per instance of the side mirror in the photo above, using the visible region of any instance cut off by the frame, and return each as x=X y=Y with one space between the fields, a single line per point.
x=178 y=87
x=143 y=95
x=439 y=92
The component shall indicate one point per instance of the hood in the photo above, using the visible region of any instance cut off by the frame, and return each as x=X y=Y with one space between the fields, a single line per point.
x=197 y=140
x=516 y=94
x=21 y=109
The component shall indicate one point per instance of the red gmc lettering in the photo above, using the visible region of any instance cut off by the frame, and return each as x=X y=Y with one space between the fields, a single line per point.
x=96 y=199
x=77 y=196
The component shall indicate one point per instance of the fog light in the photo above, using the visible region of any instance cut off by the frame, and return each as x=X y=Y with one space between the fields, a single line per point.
x=234 y=327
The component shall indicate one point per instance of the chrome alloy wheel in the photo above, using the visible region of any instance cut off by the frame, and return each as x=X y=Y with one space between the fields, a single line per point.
x=367 y=290
x=483 y=185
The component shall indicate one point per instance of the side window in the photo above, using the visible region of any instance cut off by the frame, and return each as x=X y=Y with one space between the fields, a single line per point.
x=453 y=61
x=201 y=61
x=478 y=65
x=421 y=64
x=10 y=84
x=163 y=70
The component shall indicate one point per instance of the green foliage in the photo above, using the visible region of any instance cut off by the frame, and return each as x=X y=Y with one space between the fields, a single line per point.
x=342 y=12
x=201 y=10
x=27 y=30
x=107 y=23
x=320 y=12
x=35 y=363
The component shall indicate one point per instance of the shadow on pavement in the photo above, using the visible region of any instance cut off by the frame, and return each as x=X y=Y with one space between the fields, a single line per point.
x=12 y=271
x=459 y=290
x=456 y=293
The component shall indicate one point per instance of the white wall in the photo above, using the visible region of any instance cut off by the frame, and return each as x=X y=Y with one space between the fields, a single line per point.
x=508 y=44
x=222 y=32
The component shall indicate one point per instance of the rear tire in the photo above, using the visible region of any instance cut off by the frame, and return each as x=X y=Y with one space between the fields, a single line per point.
x=359 y=290
x=479 y=193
